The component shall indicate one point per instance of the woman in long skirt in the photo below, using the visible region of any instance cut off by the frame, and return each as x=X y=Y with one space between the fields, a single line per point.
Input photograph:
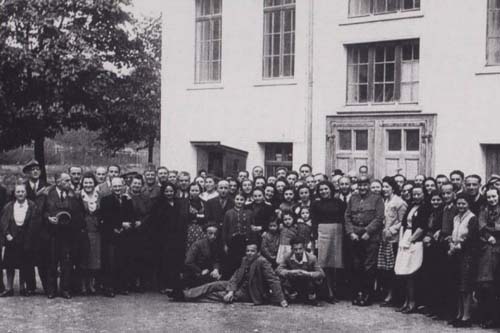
x=92 y=262
x=395 y=209
x=328 y=228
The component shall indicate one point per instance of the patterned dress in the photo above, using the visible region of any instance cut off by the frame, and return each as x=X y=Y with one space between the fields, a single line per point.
x=196 y=221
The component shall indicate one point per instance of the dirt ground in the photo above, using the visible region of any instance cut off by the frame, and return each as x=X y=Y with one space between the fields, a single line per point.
x=154 y=313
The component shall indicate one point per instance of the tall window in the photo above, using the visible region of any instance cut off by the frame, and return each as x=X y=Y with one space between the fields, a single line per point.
x=383 y=72
x=493 y=42
x=279 y=38
x=208 y=40
x=278 y=155
x=370 y=7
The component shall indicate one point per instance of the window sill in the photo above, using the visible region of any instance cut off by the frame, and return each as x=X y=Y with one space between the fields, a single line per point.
x=489 y=70
x=275 y=82
x=383 y=17
x=380 y=108
x=206 y=86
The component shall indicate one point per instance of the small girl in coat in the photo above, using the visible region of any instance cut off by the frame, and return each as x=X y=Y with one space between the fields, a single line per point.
x=270 y=243
x=288 y=230
x=304 y=226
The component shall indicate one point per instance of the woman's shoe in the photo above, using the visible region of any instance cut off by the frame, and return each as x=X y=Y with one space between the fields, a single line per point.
x=7 y=293
x=410 y=310
x=387 y=304
x=401 y=309
x=454 y=321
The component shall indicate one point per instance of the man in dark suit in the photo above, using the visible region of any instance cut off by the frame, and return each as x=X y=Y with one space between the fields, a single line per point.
x=62 y=215
x=34 y=184
x=216 y=208
x=118 y=219
x=203 y=260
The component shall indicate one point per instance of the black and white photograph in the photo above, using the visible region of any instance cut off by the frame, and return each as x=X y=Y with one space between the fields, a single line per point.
x=249 y=166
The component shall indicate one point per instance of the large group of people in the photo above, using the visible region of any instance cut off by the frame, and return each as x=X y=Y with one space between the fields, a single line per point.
x=426 y=245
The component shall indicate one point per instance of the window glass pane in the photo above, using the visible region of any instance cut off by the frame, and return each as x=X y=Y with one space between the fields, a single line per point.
x=363 y=73
x=493 y=51
x=363 y=55
x=217 y=6
x=389 y=72
x=345 y=140
x=413 y=140
x=394 y=140
x=392 y=5
x=363 y=93
x=361 y=140
x=379 y=73
x=389 y=93
x=379 y=93
x=407 y=50
x=406 y=91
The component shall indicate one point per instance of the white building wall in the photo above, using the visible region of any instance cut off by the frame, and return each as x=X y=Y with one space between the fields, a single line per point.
x=243 y=109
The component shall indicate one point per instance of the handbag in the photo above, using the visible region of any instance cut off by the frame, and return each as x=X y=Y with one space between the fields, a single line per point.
x=410 y=255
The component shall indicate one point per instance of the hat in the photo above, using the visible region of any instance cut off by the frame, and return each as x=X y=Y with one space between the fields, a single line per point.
x=493 y=179
x=33 y=163
x=363 y=179
x=130 y=174
x=150 y=167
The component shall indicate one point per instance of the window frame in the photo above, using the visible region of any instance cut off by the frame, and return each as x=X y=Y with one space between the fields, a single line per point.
x=371 y=75
x=404 y=140
x=271 y=10
x=490 y=11
x=354 y=140
x=371 y=4
x=274 y=163
x=199 y=66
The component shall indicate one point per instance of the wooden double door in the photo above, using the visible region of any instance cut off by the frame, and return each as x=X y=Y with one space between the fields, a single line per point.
x=387 y=144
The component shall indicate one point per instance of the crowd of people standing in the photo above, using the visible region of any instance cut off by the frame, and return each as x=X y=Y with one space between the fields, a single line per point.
x=426 y=245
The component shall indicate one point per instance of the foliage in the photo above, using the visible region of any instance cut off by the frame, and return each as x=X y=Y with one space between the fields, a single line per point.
x=53 y=65
x=133 y=113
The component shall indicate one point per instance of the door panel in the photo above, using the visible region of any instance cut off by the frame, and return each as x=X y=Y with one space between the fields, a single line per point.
x=390 y=144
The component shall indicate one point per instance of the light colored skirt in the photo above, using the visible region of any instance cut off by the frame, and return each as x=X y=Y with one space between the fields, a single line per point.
x=283 y=252
x=330 y=240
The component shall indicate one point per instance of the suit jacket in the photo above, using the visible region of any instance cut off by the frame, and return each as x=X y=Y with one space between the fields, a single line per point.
x=3 y=197
x=214 y=212
x=9 y=226
x=31 y=193
x=202 y=255
x=114 y=213
x=51 y=204
x=261 y=279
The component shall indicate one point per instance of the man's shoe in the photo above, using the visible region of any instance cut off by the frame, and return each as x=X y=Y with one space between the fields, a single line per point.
x=51 y=295
x=109 y=293
x=7 y=293
x=123 y=292
x=177 y=296
x=65 y=295
x=463 y=323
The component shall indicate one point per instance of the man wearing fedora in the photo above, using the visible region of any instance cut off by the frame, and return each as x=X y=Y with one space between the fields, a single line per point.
x=34 y=186
x=62 y=215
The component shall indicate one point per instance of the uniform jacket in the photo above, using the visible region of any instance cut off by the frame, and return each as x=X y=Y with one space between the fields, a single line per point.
x=9 y=226
x=261 y=279
x=365 y=215
x=202 y=255
x=214 y=212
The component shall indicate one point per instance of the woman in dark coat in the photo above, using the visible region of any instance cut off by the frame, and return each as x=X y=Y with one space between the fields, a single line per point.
x=488 y=276
x=463 y=247
x=92 y=262
x=17 y=220
x=328 y=229
x=169 y=216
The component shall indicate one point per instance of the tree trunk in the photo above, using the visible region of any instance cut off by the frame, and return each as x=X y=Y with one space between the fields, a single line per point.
x=151 y=145
x=40 y=156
